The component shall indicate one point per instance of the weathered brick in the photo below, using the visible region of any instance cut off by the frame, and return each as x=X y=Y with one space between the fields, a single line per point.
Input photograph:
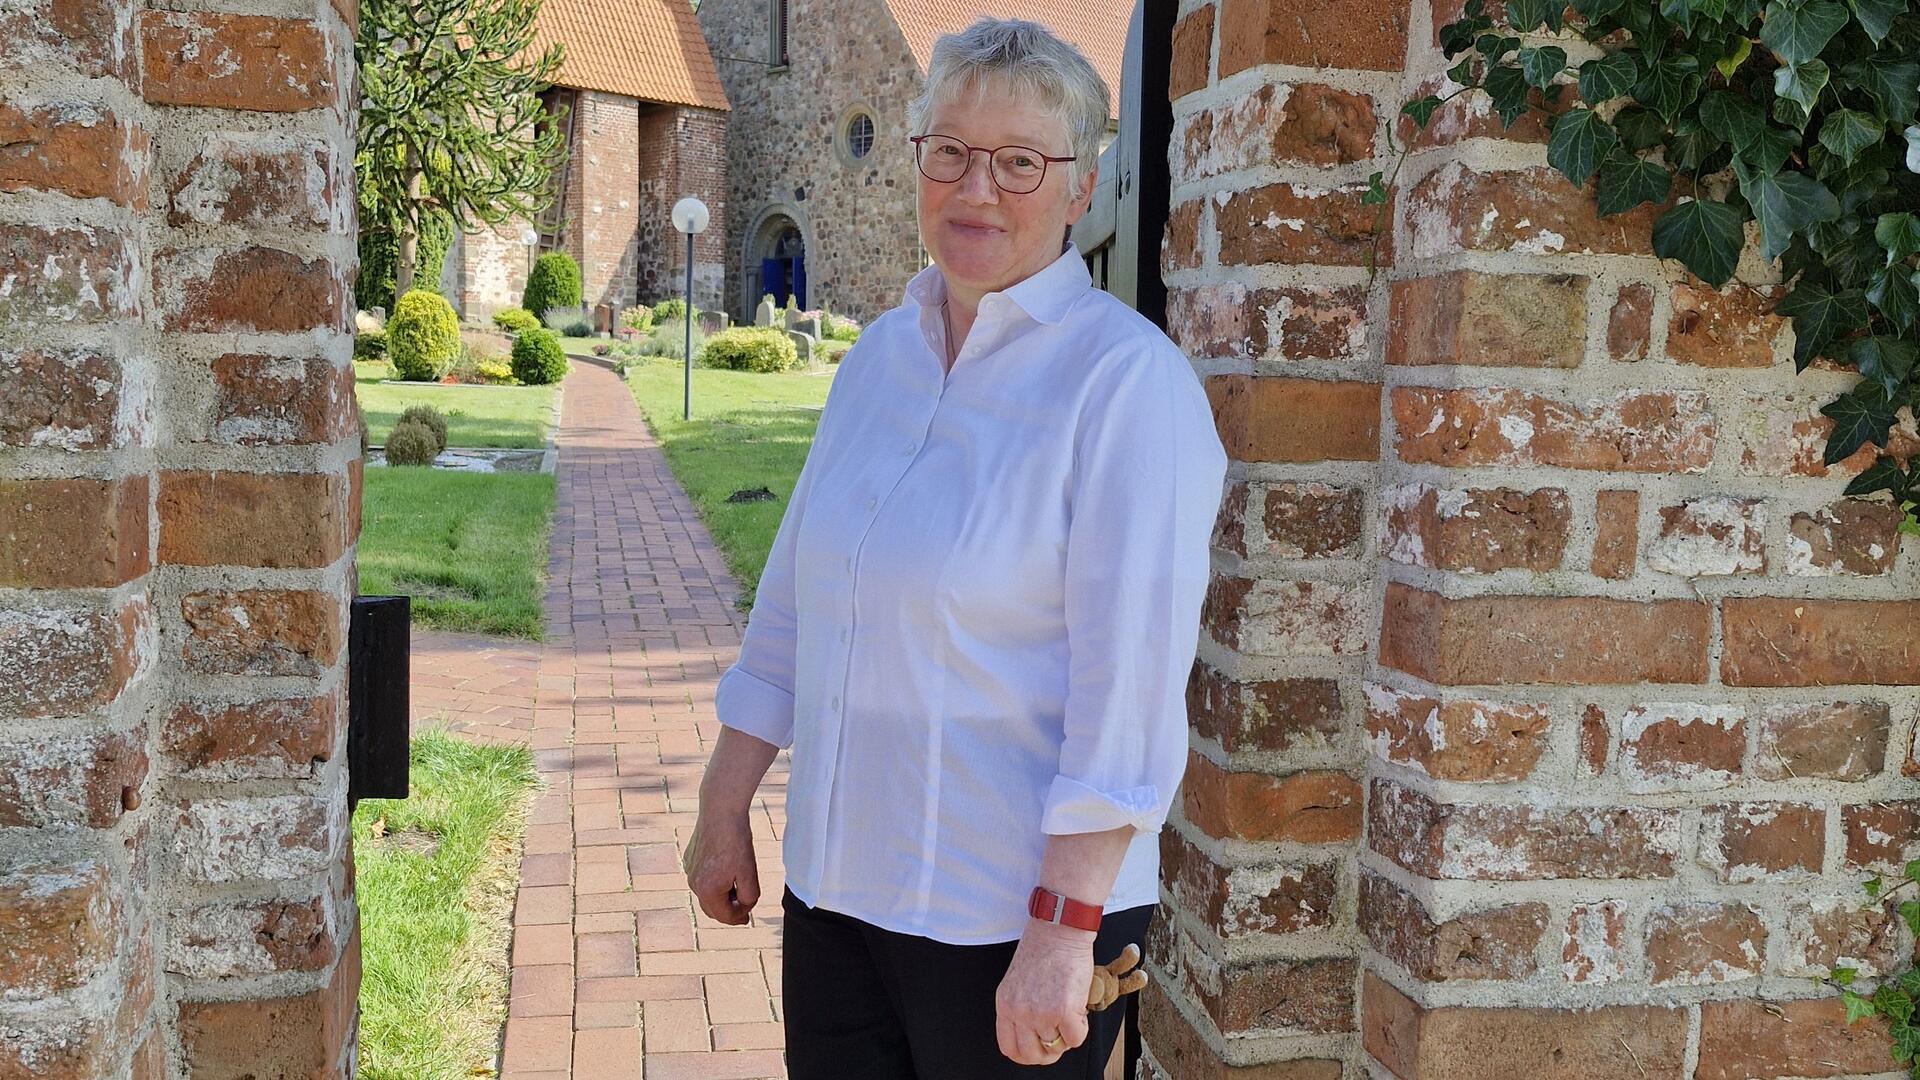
x=272 y=400
x=269 y=837
x=276 y=739
x=1647 y=431
x=1235 y=901
x=65 y=1045
x=1192 y=53
x=91 y=37
x=1681 y=747
x=253 y=937
x=66 y=400
x=1509 y=842
x=1210 y=321
x=301 y=1035
x=1306 y=807
x=1299 y=225
x=1456 y=738
x=1296 y=420
x=1278 y=123
x=1311 y=520
x=1263 y=714
x=1784 y=641
x=284 y=292
x=1562 y=640
x=1691 y=944
x=1271 y=617
x=76 y=275
x=59 y=926
x=1532 y=211
x=1497 y=320
x=1785 y=435
x=57 y=661
x=1851 y=536
x=1747 y=842
x=1620 y=1042
x=75 y=147
x=251 y=519
x=1223 y=608
x=1594 y=947
x=240 y=178
x=262 y=632
x=1282 y=996
x=1368 y=35
x=1749 y=1039
x=1230 y=524
x=250 y=62
x=1828 y=932
x=1732 y=327
x=73 y=533
x=1710 y=536
x=1630 y=322
x=1286 y=323
x=81 y=778
x=1180 y=249
x=1185 y=1053
x=1882 y=836
x=1616 y=540
x=1490 y=943
x=1596 y=741
x=1843 y=740
x=1472 y=116
x=1477 y=530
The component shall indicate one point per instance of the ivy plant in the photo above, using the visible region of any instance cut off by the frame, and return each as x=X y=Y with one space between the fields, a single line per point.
x=1894 y=998
x=1799 y=115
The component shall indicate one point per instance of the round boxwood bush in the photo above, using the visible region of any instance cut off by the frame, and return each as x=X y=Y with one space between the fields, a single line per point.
x=423 y=337
x=513 y=320
x=411 y=443
x=554 y=282
x=674 y=310
x=538 y=358
x=430 y=418
x=750 y=348
x=370 y=345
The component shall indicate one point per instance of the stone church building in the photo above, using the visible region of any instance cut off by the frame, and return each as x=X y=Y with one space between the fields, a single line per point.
x=646 y=125
x=820 y=173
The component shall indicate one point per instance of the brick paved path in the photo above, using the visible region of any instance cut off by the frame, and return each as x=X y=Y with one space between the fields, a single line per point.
x=615 y=975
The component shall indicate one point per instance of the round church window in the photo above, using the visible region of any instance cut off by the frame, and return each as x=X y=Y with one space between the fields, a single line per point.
x=859 y=135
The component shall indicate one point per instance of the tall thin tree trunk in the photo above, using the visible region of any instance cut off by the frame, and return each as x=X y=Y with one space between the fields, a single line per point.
x=406 y=255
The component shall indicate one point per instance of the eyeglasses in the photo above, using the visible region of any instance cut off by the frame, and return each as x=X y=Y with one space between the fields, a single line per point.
x=1016 y=170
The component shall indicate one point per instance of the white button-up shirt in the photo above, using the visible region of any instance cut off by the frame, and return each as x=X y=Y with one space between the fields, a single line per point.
x=977 y=618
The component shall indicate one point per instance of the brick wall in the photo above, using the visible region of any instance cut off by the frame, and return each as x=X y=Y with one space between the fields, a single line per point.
x=1550 y=705
x=179 y=479
x=682 y=151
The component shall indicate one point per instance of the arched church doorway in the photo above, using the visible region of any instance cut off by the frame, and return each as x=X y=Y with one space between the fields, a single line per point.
x=777 y=263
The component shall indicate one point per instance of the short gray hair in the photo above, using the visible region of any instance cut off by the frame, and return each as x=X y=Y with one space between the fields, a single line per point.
x=1036 y=63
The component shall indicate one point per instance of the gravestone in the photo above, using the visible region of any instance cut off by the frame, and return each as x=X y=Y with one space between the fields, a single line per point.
x=763 y=315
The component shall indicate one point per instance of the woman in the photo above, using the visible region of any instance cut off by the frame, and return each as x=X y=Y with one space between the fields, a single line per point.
x=976 y=620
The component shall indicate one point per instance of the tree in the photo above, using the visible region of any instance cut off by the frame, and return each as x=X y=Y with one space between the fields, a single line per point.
x=451 y=119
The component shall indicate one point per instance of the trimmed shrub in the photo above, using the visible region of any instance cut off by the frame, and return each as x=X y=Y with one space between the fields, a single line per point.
x=423 y=337
x=494 y=372
x=513 y=320
x=538 y=358
x=567 y=322
x=750 y=348
x=370 y=345
x=411 y=443
x=836 y=328
x=373 y=286
x=553 y=283
x=428 y=417
x=674 y=310
x=637 y=319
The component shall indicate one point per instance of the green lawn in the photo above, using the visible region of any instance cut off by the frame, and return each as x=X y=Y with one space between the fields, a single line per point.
x=470 y=548
x=503 y=416
x=436 y=898
x=748 y=431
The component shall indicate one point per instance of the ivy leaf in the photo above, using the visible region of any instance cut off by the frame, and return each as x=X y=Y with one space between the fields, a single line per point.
x=1690 y=143
x=1860 y=416
x=1458 y=37
x=1739 y=120
x=1669 y=85
x=1494 y=46
x=1770 y=150
x=1886 y=360
x=1910 y=911
x=1679 y=13
x=1422 y=110
x=1893 y=290
x=1858 y=1008
x=1376 y=192
x=1846 y=132
x=1911 y=871
x=1801 y=83
x=1595 y=10
x=1462 y=72
x=1893 y=83
x=1797 y=32
x=1608 y=77
x=1820 y=315
x=1737 y=53
x=1580 y=140
x=1508 y=89
x=1876 y=16
x=1784 y=203
x=1873 y=888
x=1842 y=975
x=1542 y=65
x=1899 y=233
x=1705 y=236
x=1525 y=15
x=1883 y=475
x=1639 y=128
x=1913 y=148
x=1627 y=181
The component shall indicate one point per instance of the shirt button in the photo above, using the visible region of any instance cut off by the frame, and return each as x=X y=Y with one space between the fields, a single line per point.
x=849 y=566
x=844 y=635
x=836 y=704
x=873 y=504
x=911 y=448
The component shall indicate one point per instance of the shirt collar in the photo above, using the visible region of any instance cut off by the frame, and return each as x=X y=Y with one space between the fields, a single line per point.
x=1046 y=297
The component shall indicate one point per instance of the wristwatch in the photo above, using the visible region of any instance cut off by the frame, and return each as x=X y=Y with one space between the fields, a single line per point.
x=1049 y=906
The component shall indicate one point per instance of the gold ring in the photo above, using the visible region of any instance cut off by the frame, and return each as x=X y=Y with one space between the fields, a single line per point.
x=1048 y=1044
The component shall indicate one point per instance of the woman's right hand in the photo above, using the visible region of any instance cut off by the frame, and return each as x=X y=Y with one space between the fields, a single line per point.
x=720 y=865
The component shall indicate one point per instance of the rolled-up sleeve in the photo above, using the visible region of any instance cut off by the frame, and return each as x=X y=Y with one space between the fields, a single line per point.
x=1146 y=487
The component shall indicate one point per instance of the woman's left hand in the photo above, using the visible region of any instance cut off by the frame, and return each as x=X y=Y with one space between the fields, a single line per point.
x=1044 y=994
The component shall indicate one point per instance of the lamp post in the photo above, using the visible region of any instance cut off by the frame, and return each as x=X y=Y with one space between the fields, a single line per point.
x=690 y=217
x=528 y=238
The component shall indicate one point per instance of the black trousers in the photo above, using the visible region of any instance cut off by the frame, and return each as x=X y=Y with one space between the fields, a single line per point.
x=864 y=1003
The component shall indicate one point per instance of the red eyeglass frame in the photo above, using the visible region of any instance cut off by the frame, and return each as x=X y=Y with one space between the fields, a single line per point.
x=1046 y=159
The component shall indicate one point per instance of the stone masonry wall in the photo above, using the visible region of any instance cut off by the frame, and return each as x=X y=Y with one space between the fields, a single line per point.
x=1551 y=703
x=179 y=483
x=682 y=151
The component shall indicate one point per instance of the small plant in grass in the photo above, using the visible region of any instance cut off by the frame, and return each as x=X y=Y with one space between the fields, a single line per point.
x=567 y=322
x=495 y=372
x=636 y=320
x=412 y=443
x=553 y=283
x=832 y=350
x=750 y=348
x=423 y=338
x=672 y=310
x=429 y=417
x=538 y=358
x=513 y=320
x=370 y=345
x=669 y=340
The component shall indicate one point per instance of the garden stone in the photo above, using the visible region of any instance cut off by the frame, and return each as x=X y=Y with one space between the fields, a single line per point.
x=712 y=322
x=792 y=317
x=803 y=345
x=807 y=326
x=763 y=315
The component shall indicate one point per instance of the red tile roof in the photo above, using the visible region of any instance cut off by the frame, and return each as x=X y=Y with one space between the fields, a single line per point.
x=1098 y=28
x=647 y=49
